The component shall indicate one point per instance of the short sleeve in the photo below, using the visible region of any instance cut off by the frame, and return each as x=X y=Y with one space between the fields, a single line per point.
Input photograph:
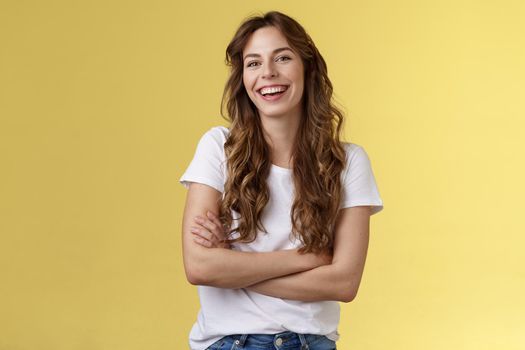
x=207 y=165
x=359 y=183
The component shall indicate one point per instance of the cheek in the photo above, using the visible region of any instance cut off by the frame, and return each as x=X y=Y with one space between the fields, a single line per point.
x=248 y=86
x=247 y=82
x=247 y=79
x=299 y=80
x=297 y=74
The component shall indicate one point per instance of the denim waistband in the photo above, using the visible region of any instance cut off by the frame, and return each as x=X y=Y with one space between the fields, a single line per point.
x=278 y=339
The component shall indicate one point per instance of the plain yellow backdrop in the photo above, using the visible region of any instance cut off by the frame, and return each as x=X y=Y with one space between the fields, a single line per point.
x=102 y=104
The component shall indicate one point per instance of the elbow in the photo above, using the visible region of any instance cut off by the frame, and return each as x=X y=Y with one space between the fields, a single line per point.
x=201 y=269
x=195 y=279
x=348 y=292
x=347 y=296
x=198 y=266
x=195 y=274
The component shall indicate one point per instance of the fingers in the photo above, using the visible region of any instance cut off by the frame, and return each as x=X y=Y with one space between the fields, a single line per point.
x=207 y=224
x=202 y=241
x=212 y=224
x=214 y=219
x=209 y=230
x=203 y=237
x=206 y=234
x=201 y=232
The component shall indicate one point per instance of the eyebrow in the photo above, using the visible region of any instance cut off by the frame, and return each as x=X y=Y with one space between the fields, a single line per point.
x=274 y=52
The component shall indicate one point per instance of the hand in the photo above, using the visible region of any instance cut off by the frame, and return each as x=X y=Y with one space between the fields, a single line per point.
x=209 y=231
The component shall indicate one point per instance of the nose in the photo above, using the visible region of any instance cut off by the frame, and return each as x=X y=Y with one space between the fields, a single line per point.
x=269 y=70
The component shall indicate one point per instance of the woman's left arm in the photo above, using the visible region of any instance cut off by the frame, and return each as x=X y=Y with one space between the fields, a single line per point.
x=337 y=281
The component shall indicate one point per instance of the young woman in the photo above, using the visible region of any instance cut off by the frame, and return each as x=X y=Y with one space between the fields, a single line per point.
x=276 y=223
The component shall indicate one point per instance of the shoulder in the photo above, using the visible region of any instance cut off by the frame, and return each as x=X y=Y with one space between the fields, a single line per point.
x=217 y=133
x=353 y=151
x=357 y=160
x=214 y=138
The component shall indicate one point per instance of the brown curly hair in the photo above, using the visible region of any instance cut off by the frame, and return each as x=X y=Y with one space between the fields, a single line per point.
x=318 y=155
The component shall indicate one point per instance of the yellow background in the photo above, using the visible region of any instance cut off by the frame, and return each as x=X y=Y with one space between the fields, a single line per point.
x=102 y=104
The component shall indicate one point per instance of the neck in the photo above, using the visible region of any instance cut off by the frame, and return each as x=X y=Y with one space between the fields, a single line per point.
x=280 y=133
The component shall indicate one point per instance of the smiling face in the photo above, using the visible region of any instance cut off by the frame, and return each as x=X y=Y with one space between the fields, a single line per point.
x=273 y=74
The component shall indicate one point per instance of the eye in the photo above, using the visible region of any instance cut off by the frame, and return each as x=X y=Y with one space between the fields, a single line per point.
x=251 y=64
x=284 y=57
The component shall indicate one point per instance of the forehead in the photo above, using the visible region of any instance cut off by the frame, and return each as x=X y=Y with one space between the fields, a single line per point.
x=265 y=39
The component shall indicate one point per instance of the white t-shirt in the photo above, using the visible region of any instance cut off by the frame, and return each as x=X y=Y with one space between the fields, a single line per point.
x=241 y=311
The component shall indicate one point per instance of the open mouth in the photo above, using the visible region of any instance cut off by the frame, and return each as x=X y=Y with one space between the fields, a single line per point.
x=273 y=93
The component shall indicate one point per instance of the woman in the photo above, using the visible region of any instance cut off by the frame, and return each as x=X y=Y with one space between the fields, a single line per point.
x=276 y=223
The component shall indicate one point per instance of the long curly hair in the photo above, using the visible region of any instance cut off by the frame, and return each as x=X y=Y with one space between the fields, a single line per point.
x=318 y=155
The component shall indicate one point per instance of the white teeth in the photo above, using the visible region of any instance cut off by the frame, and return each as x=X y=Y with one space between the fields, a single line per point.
x=272 y=90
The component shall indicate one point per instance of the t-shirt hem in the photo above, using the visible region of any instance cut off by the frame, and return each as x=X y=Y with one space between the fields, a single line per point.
x=376 y=206
x=203 y=180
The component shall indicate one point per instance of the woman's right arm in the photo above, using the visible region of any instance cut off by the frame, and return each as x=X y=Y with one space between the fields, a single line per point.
x=225 y=268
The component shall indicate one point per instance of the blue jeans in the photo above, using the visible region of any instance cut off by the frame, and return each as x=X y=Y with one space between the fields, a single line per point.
x=279 y=341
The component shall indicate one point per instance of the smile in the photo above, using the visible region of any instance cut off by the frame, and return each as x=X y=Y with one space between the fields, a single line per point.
x=272 y=93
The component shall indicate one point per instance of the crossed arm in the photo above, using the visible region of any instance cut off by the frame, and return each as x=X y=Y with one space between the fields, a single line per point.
x=284 y=274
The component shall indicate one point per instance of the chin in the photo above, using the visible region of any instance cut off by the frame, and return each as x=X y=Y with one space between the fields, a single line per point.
x=274 y=113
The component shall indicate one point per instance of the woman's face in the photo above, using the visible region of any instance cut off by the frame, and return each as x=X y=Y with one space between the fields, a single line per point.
x=273 y=74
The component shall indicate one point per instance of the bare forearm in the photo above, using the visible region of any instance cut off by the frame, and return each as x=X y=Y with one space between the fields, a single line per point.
x=321 y=283
x=232 y=269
